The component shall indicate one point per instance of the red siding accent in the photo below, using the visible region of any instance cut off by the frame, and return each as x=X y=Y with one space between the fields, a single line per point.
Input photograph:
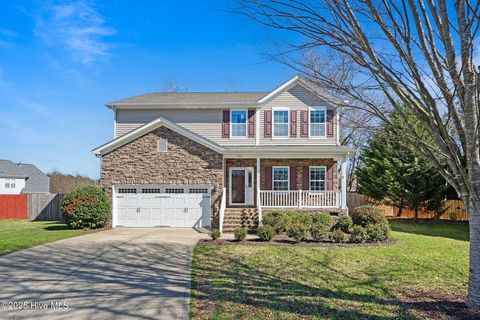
x=330 y=178
x=251 y=123
x=330 y=113
x=268 y=178
x=304 y=123
x=268 y=123
x=13 y=206
x=226 y=124
x=306 y=178
x=293 y=123
x=293 y=178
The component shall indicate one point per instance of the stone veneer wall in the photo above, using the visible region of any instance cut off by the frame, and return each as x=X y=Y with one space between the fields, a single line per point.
x=186 y=162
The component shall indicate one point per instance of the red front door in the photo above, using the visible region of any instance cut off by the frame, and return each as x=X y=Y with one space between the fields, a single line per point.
x=238 y=186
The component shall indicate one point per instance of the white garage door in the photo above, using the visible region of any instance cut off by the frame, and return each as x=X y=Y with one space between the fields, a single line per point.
x=178 y=206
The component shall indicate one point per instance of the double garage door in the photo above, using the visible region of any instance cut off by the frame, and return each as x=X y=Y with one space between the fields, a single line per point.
x=160 y=206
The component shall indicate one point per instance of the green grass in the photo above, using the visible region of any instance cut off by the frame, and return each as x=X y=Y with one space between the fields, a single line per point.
x=272 y=282
x=19 y=234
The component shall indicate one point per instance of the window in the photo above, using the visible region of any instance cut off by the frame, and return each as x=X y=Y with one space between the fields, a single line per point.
x=280 y=122
x=162 y=145
x=151 y=190
x=238 y=119
x=198 y=190
x=174 y=190
x=7 y=183
x=127 y=190
x=317 y=121
x=12 y=183
x=317 y=178
x=280 y=178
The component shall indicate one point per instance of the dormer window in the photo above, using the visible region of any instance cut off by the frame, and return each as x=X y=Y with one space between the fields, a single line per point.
x=238 y=120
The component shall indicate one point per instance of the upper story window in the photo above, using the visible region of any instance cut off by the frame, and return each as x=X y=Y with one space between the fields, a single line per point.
x=280 y=122
x=317 y=178
x=238 y=120
x=9 y=183
x=317 y=122
x=280 y=178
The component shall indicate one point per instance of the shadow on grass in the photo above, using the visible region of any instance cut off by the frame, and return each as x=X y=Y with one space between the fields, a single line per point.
x=443 y=229
x=220 y=283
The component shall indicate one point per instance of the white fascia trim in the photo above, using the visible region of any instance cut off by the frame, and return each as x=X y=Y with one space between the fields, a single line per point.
x=287 y=85
x=160 y=121
x=158 y=105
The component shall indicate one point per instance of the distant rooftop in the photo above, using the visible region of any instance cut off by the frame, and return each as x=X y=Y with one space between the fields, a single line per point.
x=193 y=97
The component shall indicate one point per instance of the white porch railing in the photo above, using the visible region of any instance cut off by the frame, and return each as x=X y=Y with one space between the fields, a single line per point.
x=223 y=204
x=299 y=199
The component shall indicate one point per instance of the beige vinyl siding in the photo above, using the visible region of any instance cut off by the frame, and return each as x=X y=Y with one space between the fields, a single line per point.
x=205 y=122
x=297 y=99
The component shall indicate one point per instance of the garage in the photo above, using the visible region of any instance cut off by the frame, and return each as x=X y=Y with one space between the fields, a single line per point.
x=162 y=206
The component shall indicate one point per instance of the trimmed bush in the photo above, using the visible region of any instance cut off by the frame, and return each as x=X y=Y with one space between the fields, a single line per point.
x=345 y=223
x=338 y=236
x=86 y=207
x=359 y=234
x=299 y=231
x=299 y=217
x=266 y=233
x=378 y=232
x=240 y=233
x=279 y=220
x=323 y=218
x=319 y=231
x=215 y=234
x=367 y=215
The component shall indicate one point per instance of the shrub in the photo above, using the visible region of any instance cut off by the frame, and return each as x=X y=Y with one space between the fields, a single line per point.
x=299 y=231
x=299 y=217
x=359 y=234
x=323 y=218
x=319 y=231
x=345 y=223
x=279 y=220
x=338 y=236
x=240 y=233
x=266 y=233
x=378 y=232
x=86 y=207
x=215 y=234
x=367 y=215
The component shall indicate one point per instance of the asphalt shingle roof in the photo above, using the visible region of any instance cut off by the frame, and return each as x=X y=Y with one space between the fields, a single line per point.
x=36 y=181
x=194 y=97
x=8 y=169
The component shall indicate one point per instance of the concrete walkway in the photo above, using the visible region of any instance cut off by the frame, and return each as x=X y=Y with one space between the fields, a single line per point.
x=114 y=274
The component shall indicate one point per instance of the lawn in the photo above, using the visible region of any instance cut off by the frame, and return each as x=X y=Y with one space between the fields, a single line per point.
x=19 y=234
x=422 y=275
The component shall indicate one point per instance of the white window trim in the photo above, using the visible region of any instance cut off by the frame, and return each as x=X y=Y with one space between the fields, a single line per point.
x=317 y=108
x=166 y=145
x=246 y=124
x=273 y=122
x=310 y=181
x=273 y=177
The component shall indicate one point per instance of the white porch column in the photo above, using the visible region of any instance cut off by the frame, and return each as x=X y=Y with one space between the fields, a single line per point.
x=259 y=206
x=343 y=179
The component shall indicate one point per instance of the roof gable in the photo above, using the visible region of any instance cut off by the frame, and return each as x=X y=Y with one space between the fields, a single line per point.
x=160 y=121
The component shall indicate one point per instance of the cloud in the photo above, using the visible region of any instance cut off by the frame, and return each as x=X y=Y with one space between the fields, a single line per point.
x=6 y=36
x=76 y=27
x=34 y=107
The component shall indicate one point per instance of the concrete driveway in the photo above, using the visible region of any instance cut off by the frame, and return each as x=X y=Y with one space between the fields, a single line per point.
x=114 y=274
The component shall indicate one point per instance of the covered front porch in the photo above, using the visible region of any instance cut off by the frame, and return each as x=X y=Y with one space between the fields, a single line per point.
x=285 y=181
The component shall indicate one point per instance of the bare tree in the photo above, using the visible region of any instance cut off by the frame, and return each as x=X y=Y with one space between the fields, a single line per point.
x=417 y=54
x=171 y=86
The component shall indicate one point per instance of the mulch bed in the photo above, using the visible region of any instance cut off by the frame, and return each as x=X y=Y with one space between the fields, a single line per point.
x=287 y=242
x=438 y=305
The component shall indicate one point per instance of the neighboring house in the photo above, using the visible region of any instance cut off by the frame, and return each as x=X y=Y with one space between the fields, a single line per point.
x=20 y=178
x=219 y=159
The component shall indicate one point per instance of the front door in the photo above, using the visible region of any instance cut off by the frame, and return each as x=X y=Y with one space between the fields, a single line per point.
x=241 y=186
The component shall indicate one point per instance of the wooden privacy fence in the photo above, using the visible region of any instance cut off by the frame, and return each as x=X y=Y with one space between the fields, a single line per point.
x=13 y=206
x=34 y=206
x=453 y=209
x=45 y=206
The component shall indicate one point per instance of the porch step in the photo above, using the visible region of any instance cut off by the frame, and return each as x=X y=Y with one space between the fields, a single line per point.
x=240 y=217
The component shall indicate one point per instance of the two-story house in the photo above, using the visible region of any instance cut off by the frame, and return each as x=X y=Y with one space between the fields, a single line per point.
x=220 y=159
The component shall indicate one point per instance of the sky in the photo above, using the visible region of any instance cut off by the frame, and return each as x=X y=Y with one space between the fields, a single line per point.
x=62 y=61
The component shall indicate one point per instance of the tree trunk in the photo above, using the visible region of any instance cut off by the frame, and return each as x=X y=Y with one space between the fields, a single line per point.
x=399 y=212
x=416 y=215
x=473 y=298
